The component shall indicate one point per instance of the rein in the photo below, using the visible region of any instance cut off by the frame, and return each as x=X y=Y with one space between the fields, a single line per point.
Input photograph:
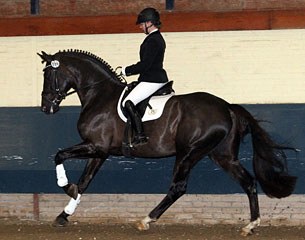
x=94 y=84
x=88 y=86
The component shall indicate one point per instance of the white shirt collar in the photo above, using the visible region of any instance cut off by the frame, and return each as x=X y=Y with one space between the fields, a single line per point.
x=155 y=30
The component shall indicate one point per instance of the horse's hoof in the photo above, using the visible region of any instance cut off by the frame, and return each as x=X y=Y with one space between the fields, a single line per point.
x=142 y=226
x=60 y=221
x=246 y=232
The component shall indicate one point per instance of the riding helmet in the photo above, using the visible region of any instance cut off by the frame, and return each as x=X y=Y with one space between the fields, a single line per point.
x=149 y=14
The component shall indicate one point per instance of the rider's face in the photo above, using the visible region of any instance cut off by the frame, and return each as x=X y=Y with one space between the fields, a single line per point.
x=144 y=25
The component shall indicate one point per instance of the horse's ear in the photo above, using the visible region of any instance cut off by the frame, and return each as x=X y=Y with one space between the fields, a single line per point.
x=45 y=57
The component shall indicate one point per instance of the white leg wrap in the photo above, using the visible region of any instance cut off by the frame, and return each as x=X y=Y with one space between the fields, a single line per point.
x=62 y=179
x=72 y=205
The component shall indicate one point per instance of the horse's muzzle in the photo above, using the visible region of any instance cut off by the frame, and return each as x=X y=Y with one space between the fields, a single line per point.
x=50 y=110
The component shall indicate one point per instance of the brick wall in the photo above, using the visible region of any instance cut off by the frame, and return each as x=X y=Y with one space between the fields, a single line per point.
x=103 y=17
x=129 y=208
x=22 y=8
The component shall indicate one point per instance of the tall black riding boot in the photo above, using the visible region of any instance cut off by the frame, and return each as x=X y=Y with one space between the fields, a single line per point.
x=136 y=122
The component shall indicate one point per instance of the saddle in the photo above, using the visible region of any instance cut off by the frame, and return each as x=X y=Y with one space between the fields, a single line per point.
x=150 y=108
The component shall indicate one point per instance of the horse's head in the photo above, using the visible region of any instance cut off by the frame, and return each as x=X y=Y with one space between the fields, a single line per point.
x=57 y=82
x=81 y=71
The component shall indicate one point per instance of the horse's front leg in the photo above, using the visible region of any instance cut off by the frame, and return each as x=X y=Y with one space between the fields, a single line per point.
x=73 y=190
x=92 y=167
x=83 y=150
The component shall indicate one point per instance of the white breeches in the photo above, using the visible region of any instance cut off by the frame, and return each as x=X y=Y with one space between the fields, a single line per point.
x=142 y=91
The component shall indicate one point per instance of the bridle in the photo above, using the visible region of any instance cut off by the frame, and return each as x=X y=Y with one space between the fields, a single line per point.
x=61 y=95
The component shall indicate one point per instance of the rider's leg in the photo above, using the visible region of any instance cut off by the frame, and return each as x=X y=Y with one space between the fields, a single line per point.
x=138 y=94
x=141 y=91
x=136 y=122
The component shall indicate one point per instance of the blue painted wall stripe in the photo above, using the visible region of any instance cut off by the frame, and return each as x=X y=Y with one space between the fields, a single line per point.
x=29 y=140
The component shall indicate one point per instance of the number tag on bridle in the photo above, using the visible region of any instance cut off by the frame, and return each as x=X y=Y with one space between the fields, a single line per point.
x=55 y=64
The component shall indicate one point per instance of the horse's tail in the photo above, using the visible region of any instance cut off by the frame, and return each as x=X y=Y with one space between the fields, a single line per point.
x=269 y=159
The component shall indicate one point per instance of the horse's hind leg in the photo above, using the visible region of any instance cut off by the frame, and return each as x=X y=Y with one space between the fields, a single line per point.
x=177 y=189
x=226 y=157
x=186 y=159
x=92 y=167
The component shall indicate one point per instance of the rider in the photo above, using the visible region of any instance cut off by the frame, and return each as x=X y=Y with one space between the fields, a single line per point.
x=152 y=76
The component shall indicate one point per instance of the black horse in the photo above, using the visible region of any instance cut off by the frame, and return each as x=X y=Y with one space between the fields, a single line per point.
x=191 y=127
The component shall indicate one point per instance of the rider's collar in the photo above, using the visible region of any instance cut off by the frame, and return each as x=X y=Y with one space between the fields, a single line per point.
x=155 y=30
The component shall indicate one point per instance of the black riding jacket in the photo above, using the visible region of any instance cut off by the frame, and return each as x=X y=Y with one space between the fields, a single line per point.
x=150 y=66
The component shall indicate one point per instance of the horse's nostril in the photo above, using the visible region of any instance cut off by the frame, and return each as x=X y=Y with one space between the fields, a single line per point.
x=43 y=109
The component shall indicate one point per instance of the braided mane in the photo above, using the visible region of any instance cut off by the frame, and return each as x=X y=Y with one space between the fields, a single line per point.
x=97 y=58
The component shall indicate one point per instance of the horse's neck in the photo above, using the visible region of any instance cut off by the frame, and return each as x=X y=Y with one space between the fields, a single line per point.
x=97 y=84
x=103 y=92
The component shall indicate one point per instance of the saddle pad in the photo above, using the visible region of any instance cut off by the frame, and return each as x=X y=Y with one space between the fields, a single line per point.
x=156 y=102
